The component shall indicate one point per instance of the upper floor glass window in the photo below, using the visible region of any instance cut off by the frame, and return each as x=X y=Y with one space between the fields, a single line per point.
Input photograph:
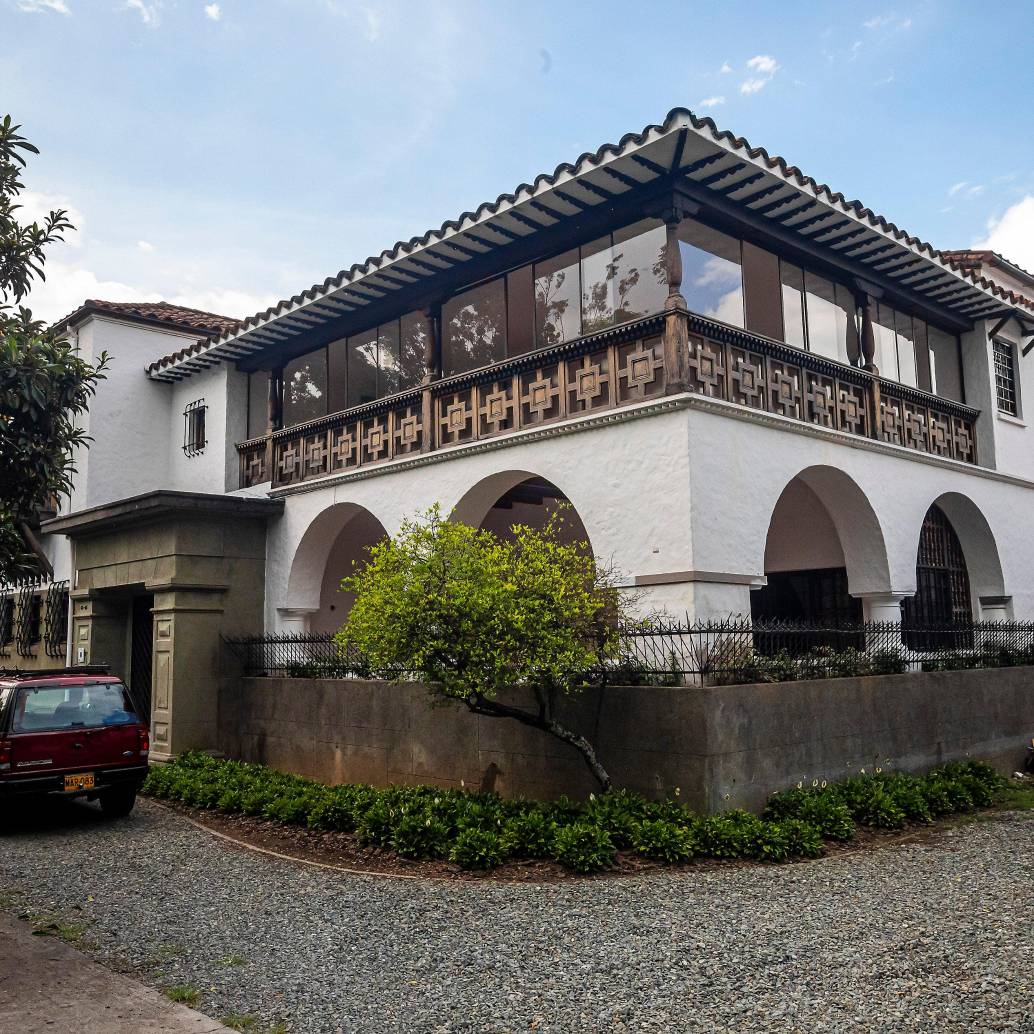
x=818 y=314
x=258 y=403
x=945 y=364
x=712 y=272
x=474 y=328
x=305 y=388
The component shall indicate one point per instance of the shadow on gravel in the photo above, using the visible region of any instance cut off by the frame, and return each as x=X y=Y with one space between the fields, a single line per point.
x=51 y=814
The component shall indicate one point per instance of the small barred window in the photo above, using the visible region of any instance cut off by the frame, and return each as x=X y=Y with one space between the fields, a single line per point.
x=194 y=440
x=1005 y=377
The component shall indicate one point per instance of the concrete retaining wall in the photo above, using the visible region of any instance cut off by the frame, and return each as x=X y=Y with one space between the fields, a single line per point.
x=723 y=747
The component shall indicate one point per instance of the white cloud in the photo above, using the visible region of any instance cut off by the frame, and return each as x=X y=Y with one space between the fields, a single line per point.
x=711 y=102
x=1013 y=234
x=213 y=11
x=887 y=21
x=372 y=17
x=35 y=205
x=965 y=189
x=764 y=66
x=145 y=246
x=885 y=81
x=224 y=301
x=149 y=12
x=38 y=6
x=763 y=63
x=726 y=68
x=67 y=286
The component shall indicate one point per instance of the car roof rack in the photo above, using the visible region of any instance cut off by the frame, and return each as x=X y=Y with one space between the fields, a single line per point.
x=42 y=673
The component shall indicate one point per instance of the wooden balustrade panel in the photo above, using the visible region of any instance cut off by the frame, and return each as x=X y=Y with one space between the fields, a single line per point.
x=892 y=421
x=498 y=407
x=963 y=439
x=706 y=367
x=375 y=439
x=820 y=399
x=407 y=430
x=916 y=421
x=590 y=382
x=254 y=470
x=287 y=461
x=940 y=434
x=456 y=416
x=640 y=370
x=784 y=388
x=542 y=394
x=852 y=408
x=344 y=446
x=748 y=378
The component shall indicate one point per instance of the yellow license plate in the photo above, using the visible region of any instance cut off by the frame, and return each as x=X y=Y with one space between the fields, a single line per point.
x=80 y=781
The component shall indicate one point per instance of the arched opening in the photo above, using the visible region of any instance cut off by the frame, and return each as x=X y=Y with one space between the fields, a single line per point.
x=943 y=595
x=334 y=543
x=519 y=497
x=824 y=550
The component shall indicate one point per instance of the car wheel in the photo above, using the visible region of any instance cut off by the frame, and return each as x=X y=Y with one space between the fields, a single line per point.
x=117 y=803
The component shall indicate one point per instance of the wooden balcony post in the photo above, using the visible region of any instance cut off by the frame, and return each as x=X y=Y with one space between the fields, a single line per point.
x=274 y=416
x=676 y=320
x=867 y=347
x=432 y=372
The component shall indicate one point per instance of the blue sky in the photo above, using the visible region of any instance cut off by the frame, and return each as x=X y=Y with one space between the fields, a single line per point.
x=227 y=154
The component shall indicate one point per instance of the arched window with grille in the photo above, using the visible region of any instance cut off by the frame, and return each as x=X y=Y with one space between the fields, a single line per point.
x=942 y=580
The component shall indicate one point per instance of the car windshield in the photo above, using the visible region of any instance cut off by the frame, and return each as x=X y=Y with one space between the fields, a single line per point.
x=71 y=706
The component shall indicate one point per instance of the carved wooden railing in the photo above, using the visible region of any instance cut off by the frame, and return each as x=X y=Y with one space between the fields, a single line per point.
x=614 y=368
x=730 y=364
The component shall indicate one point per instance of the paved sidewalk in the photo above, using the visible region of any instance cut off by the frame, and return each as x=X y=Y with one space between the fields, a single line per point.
x=45 y=985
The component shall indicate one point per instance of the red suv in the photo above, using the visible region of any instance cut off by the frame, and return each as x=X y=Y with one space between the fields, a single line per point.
x=73 y=732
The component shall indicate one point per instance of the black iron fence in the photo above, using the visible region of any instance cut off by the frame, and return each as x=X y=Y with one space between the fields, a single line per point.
x=717 y=652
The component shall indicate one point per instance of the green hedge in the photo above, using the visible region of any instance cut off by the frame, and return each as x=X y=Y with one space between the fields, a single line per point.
x=479 y=831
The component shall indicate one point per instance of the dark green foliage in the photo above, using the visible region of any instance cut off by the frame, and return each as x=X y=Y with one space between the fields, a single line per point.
x=820 y=808
x=419 y=834
x=583 y=847
x=45 y=387
x=664 y=841
x=477 y=849
x=480 y=830
x=803 y=840
x=530 y=835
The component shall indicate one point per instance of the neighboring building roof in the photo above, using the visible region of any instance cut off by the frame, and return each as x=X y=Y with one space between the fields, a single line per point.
x=156 y=314
x=976 y=260
x=728 y=168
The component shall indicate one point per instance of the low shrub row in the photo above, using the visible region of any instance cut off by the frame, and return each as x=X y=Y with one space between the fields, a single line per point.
x=479 y=831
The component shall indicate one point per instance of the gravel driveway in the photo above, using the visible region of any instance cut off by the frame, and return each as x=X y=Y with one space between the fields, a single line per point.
x=927 y=936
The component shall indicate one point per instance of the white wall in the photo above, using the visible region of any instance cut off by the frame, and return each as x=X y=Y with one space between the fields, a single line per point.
x=214 y=470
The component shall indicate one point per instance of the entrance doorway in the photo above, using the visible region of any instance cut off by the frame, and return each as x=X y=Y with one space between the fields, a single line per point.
x=141 y=651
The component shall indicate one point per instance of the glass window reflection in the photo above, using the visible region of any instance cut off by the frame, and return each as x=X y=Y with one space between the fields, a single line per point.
x=474 y=328
x=712 y=275
x=305 y=388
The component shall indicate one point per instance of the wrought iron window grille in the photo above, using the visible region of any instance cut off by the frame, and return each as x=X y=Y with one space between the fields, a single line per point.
x=6 y=623
x=29 y=618
x=194 y=439
x=1005 y=377
x=55 y=620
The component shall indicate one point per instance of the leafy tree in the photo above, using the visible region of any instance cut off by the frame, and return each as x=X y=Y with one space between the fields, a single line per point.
x=474 y=616
x=44 y=385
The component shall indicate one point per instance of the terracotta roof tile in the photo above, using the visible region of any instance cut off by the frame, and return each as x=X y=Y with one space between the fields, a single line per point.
x=165 y=314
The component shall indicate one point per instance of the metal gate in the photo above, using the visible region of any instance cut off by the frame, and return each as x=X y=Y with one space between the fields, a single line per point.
x=142 y=652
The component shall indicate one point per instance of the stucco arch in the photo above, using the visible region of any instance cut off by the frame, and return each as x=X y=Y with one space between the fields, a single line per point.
x=328 y=530
x=479 y=505
x=855 y=522
x=979 y=546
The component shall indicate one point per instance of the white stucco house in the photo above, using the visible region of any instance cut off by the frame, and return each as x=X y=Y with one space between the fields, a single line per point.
x=758 y=396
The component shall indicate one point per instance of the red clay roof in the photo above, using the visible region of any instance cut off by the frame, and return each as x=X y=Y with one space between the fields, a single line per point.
x=164 y=314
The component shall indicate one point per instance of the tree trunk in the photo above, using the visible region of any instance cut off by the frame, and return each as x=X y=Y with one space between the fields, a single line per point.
x=493 y=709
